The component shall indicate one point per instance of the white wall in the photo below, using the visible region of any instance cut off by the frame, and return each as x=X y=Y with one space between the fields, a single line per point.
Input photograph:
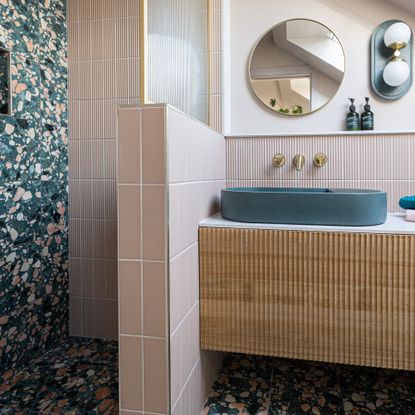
x=353 y=21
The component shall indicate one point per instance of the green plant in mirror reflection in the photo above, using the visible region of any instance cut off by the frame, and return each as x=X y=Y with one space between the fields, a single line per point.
x=293 y=110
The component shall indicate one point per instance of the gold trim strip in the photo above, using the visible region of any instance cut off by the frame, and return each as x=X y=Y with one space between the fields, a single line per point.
x=143 y=52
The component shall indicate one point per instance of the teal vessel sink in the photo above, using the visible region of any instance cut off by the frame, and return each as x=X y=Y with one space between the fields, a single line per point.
x=342 y=207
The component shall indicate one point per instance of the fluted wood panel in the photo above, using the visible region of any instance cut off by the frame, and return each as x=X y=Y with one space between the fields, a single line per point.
x=335 y=297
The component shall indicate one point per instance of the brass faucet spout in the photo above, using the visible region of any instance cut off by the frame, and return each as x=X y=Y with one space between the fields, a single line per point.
x=299 y=161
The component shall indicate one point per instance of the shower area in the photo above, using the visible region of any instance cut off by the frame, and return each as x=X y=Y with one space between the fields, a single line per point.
x=73 y=63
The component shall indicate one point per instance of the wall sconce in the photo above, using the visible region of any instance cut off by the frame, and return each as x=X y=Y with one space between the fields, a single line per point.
x=391 y=63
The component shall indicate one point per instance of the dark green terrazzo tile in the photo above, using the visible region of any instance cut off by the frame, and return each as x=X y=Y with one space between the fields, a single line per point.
x=248 y=366
x=301 y=387
x=306 y=374
x=80 y=376
x=381 y=391
x=243 y=387
x=308 y=388
x=33 y=183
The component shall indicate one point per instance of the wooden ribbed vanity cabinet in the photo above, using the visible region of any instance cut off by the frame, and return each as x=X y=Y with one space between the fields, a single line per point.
x=326 y=296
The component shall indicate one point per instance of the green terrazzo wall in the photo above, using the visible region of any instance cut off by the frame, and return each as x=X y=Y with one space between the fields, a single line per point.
x=33 y=183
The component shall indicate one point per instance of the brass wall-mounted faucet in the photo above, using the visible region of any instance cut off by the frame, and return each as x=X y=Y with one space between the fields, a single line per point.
x=320 y=160
x=278 y=160
x=299 y=161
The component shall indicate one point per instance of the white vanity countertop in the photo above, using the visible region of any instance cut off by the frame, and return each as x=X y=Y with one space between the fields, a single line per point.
x=395 y=224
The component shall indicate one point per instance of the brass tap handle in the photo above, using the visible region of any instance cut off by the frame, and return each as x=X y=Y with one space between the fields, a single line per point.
x=278 y=160
x=299 y=161
x=320 y=160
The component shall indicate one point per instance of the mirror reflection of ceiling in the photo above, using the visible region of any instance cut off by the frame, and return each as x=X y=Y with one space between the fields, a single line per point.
x=297 y=67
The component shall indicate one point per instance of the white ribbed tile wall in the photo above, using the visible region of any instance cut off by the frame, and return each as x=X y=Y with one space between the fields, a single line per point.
x=196 y=162
x=103 y=49
x=375 y=161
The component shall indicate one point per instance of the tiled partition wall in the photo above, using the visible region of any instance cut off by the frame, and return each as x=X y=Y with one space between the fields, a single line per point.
x=372 y=161
x=171 y=169
x=103 y=73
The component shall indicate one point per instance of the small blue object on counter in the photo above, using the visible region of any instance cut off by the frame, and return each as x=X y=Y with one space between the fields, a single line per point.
x=407 y=202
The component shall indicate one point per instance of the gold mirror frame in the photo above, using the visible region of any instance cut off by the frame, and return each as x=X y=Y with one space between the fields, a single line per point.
x=250 y=63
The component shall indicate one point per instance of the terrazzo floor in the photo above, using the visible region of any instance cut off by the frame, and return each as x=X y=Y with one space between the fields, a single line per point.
x=78 y=377
x=252 y=385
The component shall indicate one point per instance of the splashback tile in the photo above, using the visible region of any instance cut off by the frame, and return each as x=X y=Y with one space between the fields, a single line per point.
x=362 y=161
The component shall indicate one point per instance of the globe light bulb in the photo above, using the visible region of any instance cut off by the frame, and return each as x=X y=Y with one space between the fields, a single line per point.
x=396 y=72
x=397 y=34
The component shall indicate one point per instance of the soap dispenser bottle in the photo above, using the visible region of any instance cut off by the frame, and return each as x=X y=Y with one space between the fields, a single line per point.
x=367 y=117
x=353 y=119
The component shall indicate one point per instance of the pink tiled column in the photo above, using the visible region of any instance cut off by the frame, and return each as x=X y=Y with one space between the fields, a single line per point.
x=142 y=264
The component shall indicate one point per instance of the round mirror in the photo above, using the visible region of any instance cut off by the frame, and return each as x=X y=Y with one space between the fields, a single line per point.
x=297 y=67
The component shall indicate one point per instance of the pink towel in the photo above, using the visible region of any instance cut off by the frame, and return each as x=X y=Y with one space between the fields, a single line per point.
x=410 y=215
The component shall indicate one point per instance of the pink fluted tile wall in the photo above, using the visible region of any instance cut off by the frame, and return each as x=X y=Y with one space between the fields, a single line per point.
x=103 y=51
x=375 y=161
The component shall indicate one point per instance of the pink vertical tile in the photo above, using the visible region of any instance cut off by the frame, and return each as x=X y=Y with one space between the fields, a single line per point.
x=74 y=237
x=129 y=223
x=111 y=239
x=131 y=366
x=111 y=320
x=84 y=40
x=75 y=281
x=154 y=223
x=130 y=283
x=122 y=38
x=73 y=41
x=109 y=39
x=97 y=44
x=155 y=375
x=133 y=39
x=129 y=137
x=123 y=87
x=99 y=278
x=73 y=10
x=87 y=276
x=88 y=317
x=86 y=238
x=153 y=145
x=75 y=316
x=111 y=280
x=154 y=299
x=100 y=314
